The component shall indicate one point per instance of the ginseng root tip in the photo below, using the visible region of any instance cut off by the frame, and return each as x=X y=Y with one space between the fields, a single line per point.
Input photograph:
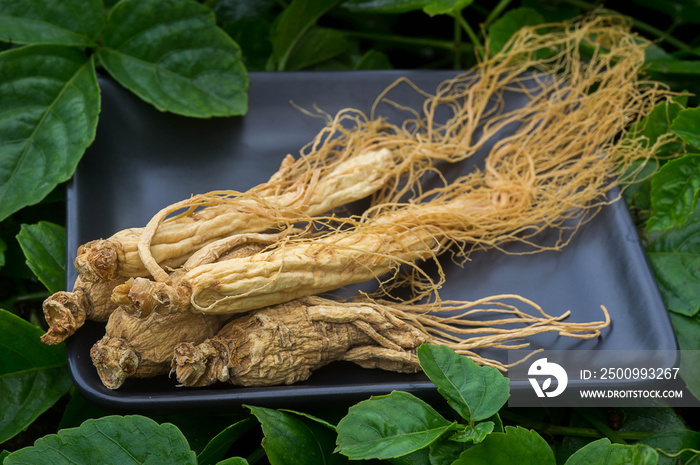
x=114 y=360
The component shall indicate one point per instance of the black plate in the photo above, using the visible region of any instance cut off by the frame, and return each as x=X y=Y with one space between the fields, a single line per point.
x=143 y=160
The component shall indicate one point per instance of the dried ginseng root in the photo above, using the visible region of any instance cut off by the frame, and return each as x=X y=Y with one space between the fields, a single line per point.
x=491 y=322
x=216 y=215
x=346 y=161
x=65 y=311
x=552 y=173
x=143 y=347
x=285 y=343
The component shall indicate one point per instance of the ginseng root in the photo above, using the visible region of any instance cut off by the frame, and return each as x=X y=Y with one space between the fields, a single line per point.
x=285 y=343
x=552 y=173
x=65 y=312
x=268 y=206
x=343 y=163
x=141 y=348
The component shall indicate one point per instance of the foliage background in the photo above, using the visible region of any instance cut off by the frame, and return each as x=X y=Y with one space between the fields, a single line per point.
x=276 y=36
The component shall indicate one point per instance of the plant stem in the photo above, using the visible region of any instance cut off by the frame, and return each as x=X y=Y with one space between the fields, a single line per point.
x=457 y=43
x=600 y=426
x=420 y=41
x=682 y=451
x=496 y=12
x=641 y=25
x=472 y=36
x=558 y=430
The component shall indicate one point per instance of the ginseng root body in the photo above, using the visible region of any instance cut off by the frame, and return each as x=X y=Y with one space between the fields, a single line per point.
x=65 y=312
x=552 y=173
x=285 y=343
x=170 y=243
x=141 y=348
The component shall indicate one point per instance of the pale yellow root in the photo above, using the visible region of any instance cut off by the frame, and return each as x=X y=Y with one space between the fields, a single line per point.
x=281 y=274
x=552 y=173
x=65 y=312
x=216 y=215
x=285 y=343
x=226 y=247
x=141 y=348
x=495 y=321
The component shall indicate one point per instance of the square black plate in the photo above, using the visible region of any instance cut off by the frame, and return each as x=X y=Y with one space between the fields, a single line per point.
x=143 y=160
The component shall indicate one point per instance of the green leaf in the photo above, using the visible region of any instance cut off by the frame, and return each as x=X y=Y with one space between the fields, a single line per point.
x=446 y=7
x=475 y=434
x=675 y=259
x=253 y=35
x=373 y=59
x=317 y=45
x=419 y=457
x=50 y=104
x=497 y=423
x=313 y=418
x=294 y=22
x=516 y=445
x=233 y=461
x=674 y=193
x=475 y=392
x=644 y=455
x=222 y=442
x=200 y=429
x=293 y=439
x=644 y=419
x=250 y=25
x=672 y=442
x=511 y=22
x=3 y=248
x=666 y=67
x=118 y=440
x=33 y=376
x=445 y=450
x=638 y=193
x=384 y=6
x=658 y=122
x=65 y=22
x=652 y=126
x=4 y=454
x=44 y=246
x=687 y=126
x=687 y=330
x=388 y=426
x=603 y=452
x=172 y=55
